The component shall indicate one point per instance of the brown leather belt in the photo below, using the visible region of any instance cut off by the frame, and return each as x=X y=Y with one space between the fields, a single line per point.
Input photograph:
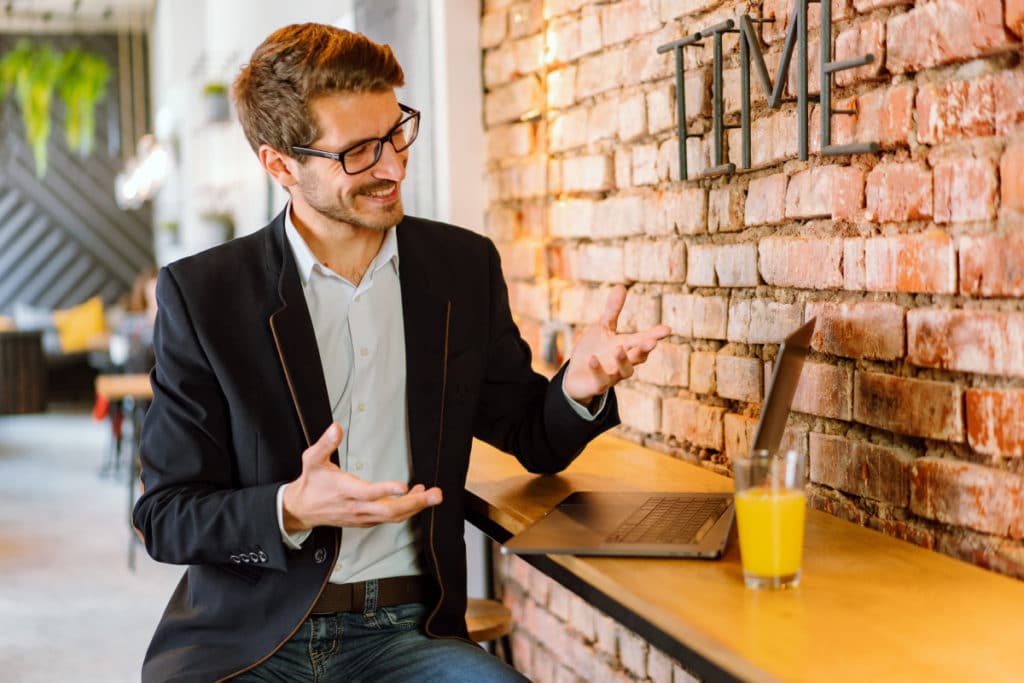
x=351 y=597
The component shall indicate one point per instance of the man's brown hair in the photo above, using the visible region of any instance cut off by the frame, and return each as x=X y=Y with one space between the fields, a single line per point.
x=298 y=63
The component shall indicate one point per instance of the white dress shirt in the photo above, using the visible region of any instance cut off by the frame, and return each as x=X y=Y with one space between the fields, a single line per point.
x=361 y=337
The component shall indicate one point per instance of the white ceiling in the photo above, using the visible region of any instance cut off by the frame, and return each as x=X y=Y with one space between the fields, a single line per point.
x=85 y=16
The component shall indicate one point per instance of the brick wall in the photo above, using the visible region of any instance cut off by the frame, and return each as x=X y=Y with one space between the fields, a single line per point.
x=911 y=408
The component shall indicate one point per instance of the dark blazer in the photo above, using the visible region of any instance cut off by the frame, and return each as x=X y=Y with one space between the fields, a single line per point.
x=239 y=393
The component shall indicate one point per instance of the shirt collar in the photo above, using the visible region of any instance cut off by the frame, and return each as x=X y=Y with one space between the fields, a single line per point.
x=306 y=261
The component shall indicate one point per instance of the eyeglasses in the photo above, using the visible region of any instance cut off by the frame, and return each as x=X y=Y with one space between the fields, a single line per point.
x=363 y=155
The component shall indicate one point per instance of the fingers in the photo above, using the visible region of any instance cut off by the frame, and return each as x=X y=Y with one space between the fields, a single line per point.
x=320 y=452
x=391 y=510
x=616 y=298
x=612 y=367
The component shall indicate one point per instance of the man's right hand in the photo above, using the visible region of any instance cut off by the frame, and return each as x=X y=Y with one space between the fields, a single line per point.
x=323 y=495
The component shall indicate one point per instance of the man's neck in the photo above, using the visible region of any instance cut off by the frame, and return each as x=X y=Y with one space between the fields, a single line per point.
x=346 y=249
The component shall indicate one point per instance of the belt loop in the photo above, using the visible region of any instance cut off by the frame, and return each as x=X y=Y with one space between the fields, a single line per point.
x=370 y=605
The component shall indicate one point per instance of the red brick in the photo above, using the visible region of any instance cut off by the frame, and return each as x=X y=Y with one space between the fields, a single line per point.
x=898 y=192
x=580 y=305
x=619 y=216
x=667 y=365
x=834 y=191
x=965 y=190
x=766 y=200
x=968 y=29
x=643 y=64
x=587 y=174
x=861 y=468
x=645 y=164
x=677 y=313
x=865 y=6
x=710 y=315
x=493 y=28
x=516 y=140
x=956 y=109
x=659 y=666
x=570 y=38
x=568 y=130
x=601 y=263
x=780 y=10
x=992 y=265
x=661 y=109
x=739 y=378
x=693 y=422
x=700 y=269
x=758 y=321
x=682 y=211
x=739 y=434
x=995 y=421
x=502 y=223
x=571 y=218
x=986 y=342
x=602 y=121
x=554 y=176
x=965 y=494
x=853 y=263
x=530 y=300
x=862 y=39
x=581 y=617
x=518 y=99
x=632 y=117
x=627 y=20
x=639 y=409
x=915 y=533
x=736 y=265
x=661 y=261
x=561 y=87
x=499 y=65
x=623 y=168
x=667 y=163
x=702 y=372
x=529 y=54
x=909 y=406
x=641 y=310
x=1008 y=93
x=862 y=330
x=522 y=260
x=525 y=18
x=725 y=209
x=1011 y=176
x=1015 y=16
x=835 y=504
x=825 y=390
x=633 y=653
x=561 y=261
x=802 y=263
x=600 y=72
x=672 y=9
x=982 y=550
x=776 y=136
x=924 y=262
x=885 y=116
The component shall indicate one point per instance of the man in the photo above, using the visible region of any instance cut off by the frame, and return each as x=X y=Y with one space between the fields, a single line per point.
x=316 y=390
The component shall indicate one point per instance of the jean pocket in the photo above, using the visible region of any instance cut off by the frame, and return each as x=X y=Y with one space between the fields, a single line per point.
x=409 y=615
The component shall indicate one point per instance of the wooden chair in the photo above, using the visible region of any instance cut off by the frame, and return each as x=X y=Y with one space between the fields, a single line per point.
x=489 y=620
x=23 y=383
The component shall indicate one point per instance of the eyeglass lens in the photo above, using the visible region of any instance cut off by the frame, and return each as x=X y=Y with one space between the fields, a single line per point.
x=366 y=155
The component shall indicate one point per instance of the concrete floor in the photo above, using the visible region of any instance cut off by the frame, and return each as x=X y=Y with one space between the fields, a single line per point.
x=70 y=609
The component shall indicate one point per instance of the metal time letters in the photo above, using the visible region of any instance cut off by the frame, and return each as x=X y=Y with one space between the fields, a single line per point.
x=796 y=38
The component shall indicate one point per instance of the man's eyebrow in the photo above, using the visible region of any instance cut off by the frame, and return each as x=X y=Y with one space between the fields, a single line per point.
x=373 y=139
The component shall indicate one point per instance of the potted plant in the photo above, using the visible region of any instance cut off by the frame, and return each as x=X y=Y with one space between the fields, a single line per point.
x=83 y=83
x=32 y=72
x=215 y=97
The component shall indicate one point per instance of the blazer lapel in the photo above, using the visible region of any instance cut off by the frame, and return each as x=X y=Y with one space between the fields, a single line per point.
x=427 y=318
x=297 y=348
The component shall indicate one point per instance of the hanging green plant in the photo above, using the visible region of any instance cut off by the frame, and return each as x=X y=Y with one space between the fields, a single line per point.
x=82 y=84
x=32 y=71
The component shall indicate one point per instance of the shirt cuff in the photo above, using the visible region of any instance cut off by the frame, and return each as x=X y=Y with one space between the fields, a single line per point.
x=293 y=541
x=578 y=407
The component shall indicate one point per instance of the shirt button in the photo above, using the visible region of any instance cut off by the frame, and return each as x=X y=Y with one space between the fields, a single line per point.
x=358 y=297
x=362 y=407
x=320 y=555
x=359 y=466
x=364 y=352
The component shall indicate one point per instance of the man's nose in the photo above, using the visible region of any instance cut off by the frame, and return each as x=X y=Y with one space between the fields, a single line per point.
x=392 y=164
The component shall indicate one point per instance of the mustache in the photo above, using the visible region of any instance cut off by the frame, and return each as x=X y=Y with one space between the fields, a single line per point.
x=378 y=186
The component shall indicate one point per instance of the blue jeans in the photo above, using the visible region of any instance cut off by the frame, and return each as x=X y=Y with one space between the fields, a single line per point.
x=380 y=644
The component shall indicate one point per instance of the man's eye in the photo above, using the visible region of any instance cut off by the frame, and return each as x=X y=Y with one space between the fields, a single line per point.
x=360 y=152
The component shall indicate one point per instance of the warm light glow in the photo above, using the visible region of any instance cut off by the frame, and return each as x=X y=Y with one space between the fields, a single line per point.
x=144 y=174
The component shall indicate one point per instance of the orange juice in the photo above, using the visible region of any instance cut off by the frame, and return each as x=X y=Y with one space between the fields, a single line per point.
x=771 y=527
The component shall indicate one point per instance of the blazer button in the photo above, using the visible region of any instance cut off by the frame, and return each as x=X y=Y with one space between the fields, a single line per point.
x=236 y=559
x=254 y=557
x=262 y=556
x=320 y=555
x=245 y=558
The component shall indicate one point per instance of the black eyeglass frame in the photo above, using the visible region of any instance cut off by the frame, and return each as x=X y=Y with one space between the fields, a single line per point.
x=379 y=149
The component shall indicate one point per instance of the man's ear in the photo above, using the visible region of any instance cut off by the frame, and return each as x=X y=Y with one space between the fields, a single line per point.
x=281 y=167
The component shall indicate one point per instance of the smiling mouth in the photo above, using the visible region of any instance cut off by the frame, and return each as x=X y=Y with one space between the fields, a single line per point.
x=382 y=193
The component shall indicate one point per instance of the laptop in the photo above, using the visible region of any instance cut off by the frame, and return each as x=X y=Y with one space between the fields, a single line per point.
x=666 y=524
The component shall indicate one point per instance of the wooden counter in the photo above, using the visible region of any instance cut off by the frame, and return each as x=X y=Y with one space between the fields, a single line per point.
x=869 y=607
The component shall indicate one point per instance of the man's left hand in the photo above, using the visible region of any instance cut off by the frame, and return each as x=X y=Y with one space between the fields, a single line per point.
x=601 y=357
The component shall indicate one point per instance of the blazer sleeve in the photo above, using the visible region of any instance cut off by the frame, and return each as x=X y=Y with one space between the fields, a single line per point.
x=192 y=510
x=520 y=411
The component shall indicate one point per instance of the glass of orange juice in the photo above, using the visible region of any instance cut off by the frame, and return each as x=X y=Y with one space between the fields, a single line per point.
x=770 y=511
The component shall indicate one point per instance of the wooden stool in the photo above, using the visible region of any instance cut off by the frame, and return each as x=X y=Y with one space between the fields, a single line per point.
x=489 y=620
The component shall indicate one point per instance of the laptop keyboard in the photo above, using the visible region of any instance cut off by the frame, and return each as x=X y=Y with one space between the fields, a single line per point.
x=669 y=519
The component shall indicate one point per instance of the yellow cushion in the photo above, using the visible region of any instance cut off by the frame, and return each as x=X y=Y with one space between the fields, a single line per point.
x=78 y=325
